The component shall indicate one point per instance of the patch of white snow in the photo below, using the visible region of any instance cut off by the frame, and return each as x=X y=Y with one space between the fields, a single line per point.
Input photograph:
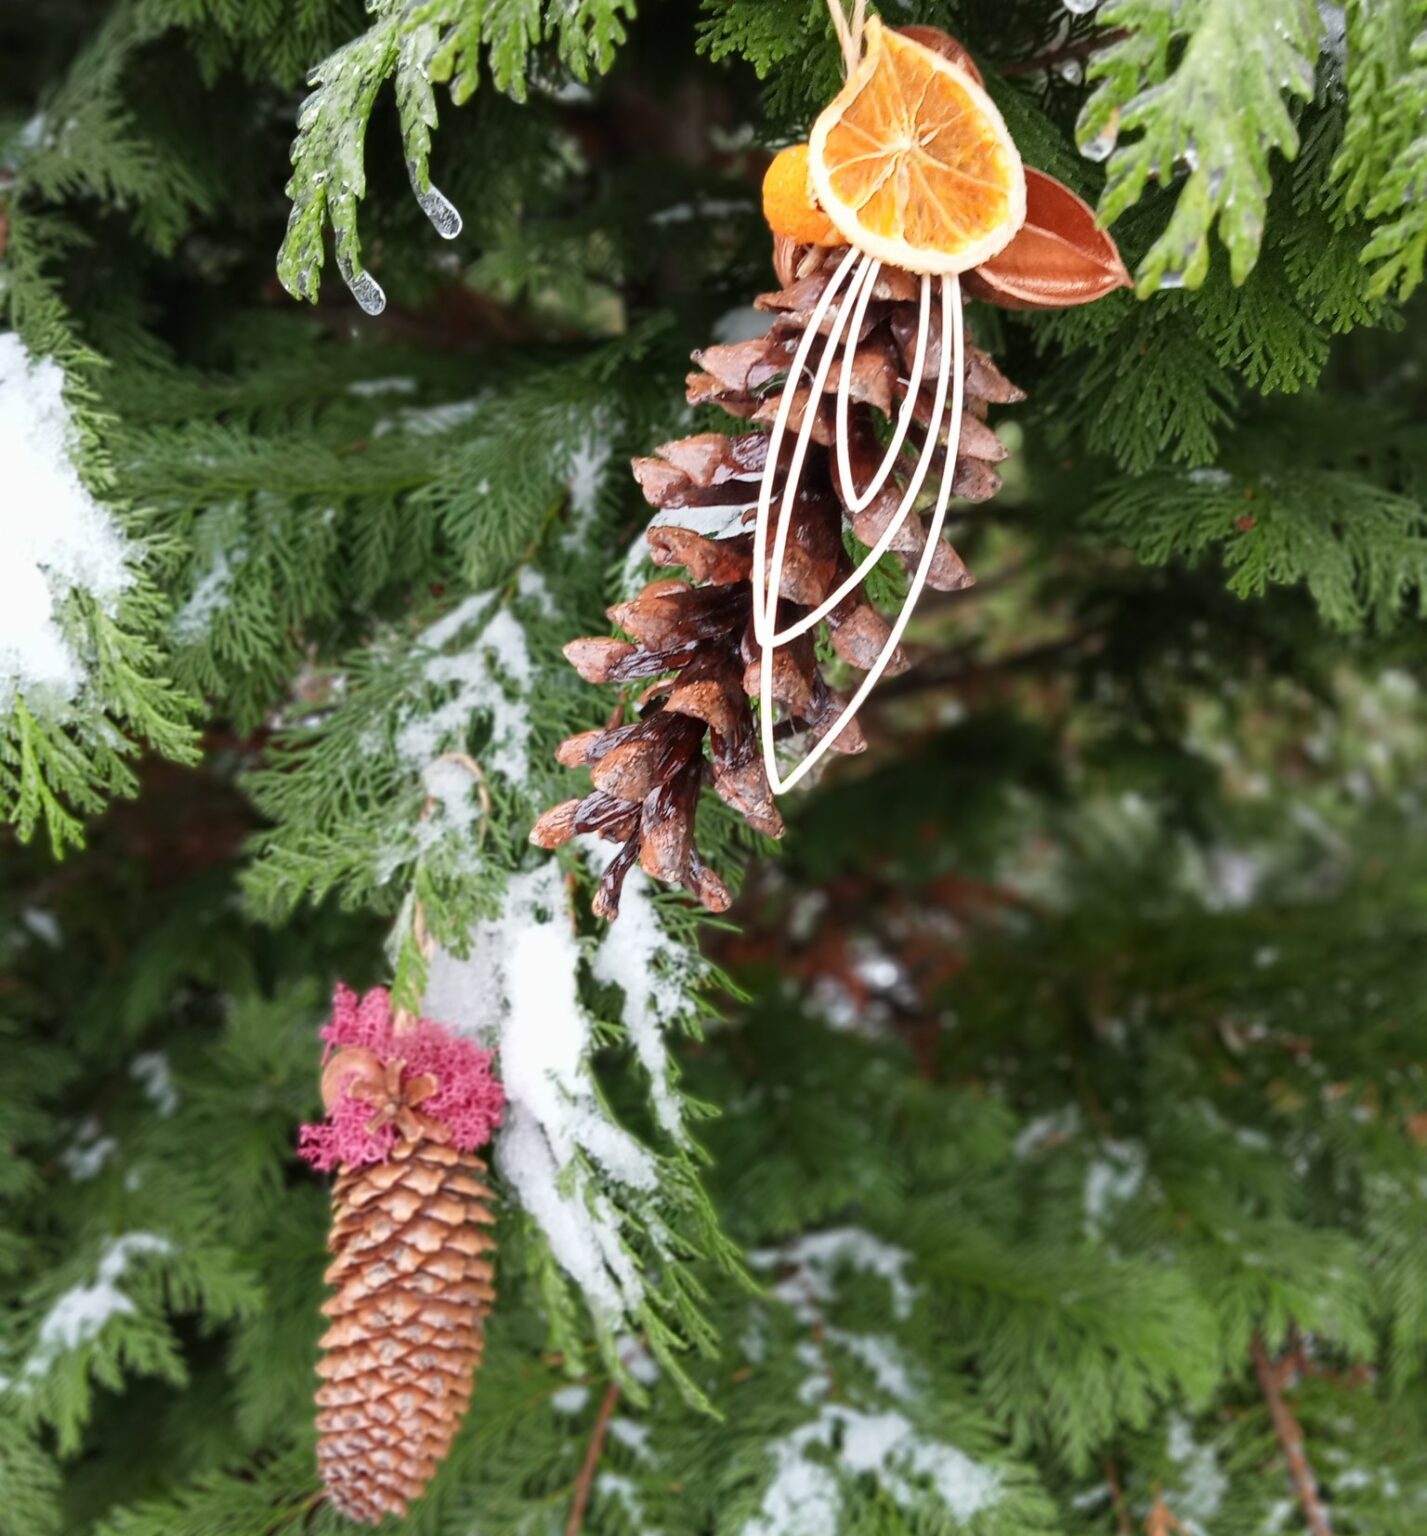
x=151 y=1069
x=83 y=1311
x=209 y=597
x=653 y=971
x=55 y=539
x=517 y=990
x=814 y=1259
x=804 y=1497
x=87 y=1154
x=571 y=1399
x=43 y=925
x=1202 y=1482
x=491 y=676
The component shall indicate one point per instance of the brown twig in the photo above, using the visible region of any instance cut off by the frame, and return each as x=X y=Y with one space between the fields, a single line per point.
x=1080 y=48
x=586 y=1480
x=1117 y=1498
x=1290 y=1437
x=945 y=668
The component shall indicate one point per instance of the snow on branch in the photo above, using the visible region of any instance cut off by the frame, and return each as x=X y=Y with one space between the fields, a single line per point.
x=56 y=538
x=853 y=1431
x=560 y=1150
x=84 y=1310
x=655 y=972
x=619 y=1219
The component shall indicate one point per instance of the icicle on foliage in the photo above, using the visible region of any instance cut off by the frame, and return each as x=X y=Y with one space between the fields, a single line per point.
x=415 y=43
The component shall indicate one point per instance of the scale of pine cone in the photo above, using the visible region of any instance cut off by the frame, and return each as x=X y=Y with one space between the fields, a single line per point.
x=694 y=633
x=411 y=1278
x=836 y=370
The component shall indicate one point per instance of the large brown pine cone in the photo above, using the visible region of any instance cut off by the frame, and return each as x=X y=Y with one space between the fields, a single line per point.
x=411 y=1285
x=696 y=636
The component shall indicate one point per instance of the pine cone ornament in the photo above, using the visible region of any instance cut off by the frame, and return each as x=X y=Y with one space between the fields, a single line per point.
x=695 y=634
x=412 y=1274
x=866 y=412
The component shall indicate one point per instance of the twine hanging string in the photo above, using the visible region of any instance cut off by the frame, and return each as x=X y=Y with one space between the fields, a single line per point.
x=849 y=33
x=404 y=1020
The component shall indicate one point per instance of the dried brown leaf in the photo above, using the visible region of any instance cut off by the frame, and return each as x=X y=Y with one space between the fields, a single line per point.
x=1059 y=256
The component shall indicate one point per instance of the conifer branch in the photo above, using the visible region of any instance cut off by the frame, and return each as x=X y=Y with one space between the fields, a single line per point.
x=1215 y=104
x=990 y=987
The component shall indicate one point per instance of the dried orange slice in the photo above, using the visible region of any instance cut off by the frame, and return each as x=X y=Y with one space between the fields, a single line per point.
x=912 y=162
x=788 y=200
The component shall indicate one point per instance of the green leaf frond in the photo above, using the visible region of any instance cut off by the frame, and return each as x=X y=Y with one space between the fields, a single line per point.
x=1381 y=171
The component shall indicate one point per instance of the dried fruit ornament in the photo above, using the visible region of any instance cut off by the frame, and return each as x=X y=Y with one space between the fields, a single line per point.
x=408 y=1103
x=910 y=179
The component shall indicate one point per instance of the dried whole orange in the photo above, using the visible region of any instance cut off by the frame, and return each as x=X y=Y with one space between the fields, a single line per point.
x=788 y=200
x=912 y=163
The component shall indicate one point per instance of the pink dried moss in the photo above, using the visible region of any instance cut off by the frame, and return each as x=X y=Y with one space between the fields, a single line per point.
x=468 y=1098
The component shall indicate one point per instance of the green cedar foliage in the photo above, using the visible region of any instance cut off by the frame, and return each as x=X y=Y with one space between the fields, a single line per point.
x=1381 y=165
x=416 y=43
x=1068 y=1061
x=1220 y=109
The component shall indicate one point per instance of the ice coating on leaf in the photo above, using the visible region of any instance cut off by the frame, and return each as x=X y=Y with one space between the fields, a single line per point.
x=1102 y=144
x=368 y=292
x=468 y=1098
x=444 y=216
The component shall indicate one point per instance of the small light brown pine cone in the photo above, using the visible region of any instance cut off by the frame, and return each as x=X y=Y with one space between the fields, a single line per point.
x=411 y=1284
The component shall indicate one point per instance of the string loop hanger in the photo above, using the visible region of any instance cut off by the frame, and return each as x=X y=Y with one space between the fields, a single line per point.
x=849 y=31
